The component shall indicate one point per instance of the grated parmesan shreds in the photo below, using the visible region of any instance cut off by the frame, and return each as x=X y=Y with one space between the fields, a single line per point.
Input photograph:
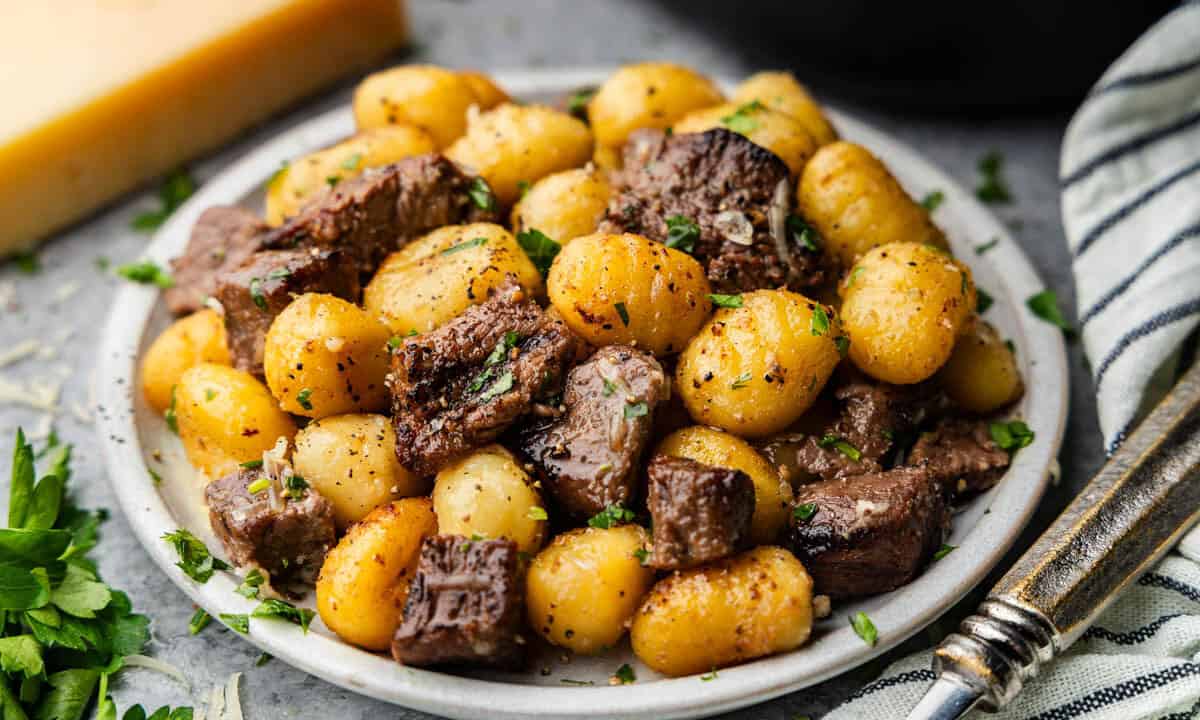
x=65 y=291
x=39 y=394
x=233 y=699
x=166 y=668
x=20 y=351
x=216 y=702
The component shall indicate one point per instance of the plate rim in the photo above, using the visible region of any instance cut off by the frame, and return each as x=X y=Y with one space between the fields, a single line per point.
x=463 y=697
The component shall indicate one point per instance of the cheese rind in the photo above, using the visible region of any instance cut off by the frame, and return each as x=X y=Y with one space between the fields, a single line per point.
x=193 y=76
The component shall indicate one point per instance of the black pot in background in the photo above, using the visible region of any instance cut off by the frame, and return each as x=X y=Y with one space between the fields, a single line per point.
x=934 y=56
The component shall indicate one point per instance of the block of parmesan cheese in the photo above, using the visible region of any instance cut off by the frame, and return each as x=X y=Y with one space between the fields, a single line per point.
x=100 y=96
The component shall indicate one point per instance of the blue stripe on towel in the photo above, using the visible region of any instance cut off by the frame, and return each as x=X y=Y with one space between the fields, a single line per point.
x=1149 y=77
x=1115 y=217
x=1132 y=637
x=1131 y=145
x=1162 y=319
x=1120 y=692
x=884 y=683
x=1119 y=289
x=1155 y=580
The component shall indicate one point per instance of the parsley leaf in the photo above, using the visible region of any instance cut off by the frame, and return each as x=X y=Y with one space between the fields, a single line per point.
x=578 y=102
x=465 y=245
x=176 y=189
x=26 y=261
x=642 y=555
x=992 y=187
x=837 y=443
x=251 y=583
x=237 y=622
x=304 y=398
x=294 y=486
x=842 y=343
x=709 y=676
x=983 y=300
x=283 y=610
x=146 y=272
x=804 y=511
x=537 y=513
x=622 y=312
x=819 y=321
x=200 y=620
x=169 y=414
x=503 y=384
x=611 y=516
x=625 y=675
x=194 y=559
x=1045 y=306
x=353 y=162
x=741 y=121
x=943 y=551
x=636 y=410
x=725 y=301
x=741 y=381
x=1012 y=435
x=682 y=233
x=981 y=249
x=540 y=248
x=805 y=235
x=481 y=194
x=864 y=628
x=79 y=594
x=933 y=200
x=256 y=294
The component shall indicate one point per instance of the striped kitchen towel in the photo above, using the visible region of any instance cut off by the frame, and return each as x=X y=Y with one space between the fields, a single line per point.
x=1130 y=176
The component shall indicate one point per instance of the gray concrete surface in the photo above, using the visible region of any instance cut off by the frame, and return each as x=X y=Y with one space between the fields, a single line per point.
x=512 y=33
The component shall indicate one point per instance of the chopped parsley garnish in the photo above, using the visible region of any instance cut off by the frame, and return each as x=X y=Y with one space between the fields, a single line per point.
x=294 y=486
x=540 y=248
x=481 y=194
x=522 y=188
x=804 y=512
x=236 y=622
x=842 y=343
x=279 y=274
x=394 y=342
x=284 y=610
x=251 y=464
x=146 y=272
x=864 y=628
x=981 y=249
x=194 y=558
x=819 y=322
x=625 y=675
x=26 y=261
x=352 y=162
x=854 y=276
x=262 y=482
x=500 y=352
x=943 y=551
x=169 y=414
x=622 y=313
x=741 y=381
x=251 y=583
x=636 y=410
x=578 y=102
x=177 y=188
x=503 y=384
x=682 y=233
x=805 y=235
x=725 y=301
x=304 y=398
x=537 y=513
x=155 y=477
x=465 y=245
x=263 y=659
x=992 y=186
x=933 y=200
x=709 y=676
x=101 y=263
x=642 y=555
x=275 y=176
x=200 y=620
x=741 y=120
x=209 y=394
x=610 y=387
x=256 y=294
x=333 y=180
x=1012 y=347
x=1045 y=306
x=611 y=516
x=983 y=300
x=1012 y=435
x=837 y=443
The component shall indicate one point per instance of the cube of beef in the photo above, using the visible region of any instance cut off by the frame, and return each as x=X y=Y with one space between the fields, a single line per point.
x=961 y=455
x=460 y=386
x=286 y=534
x=588 y=455
x=465 y=605
x=222 y=238
x=870 y=533
x=254 y=293
x=700 y=513
x=737 y=193
x=384 y=209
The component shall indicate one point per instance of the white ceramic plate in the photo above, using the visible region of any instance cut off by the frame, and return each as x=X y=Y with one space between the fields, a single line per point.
x=132 y=434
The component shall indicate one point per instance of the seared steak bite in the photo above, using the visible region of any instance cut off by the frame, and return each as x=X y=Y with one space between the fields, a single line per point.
x=700 y=513
x=222 y=238
x=284 y=531
x=460 y=386
x=465 y=605
x=383 y=210
x=874 y=416
x=254 y=293
x=868 y=534
x=961 y=455
x=736 y=193
x=588 y=455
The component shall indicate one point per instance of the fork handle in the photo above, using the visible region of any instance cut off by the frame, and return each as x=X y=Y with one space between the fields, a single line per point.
x=1135 y=509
